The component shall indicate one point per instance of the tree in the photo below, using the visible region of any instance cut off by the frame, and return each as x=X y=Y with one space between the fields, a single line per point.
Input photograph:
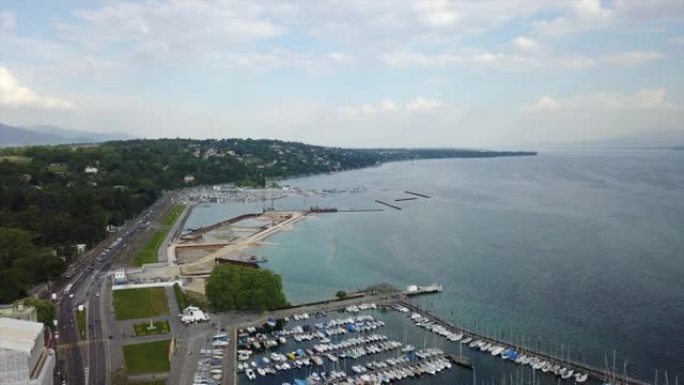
x=235 y=287
x=341 y=294
x=45 y=309
x=22 y=264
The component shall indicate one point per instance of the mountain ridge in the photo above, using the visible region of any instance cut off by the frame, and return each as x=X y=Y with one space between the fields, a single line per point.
x=16 y=136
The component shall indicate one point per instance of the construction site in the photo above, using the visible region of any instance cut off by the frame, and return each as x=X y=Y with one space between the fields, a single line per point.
x=191 y=254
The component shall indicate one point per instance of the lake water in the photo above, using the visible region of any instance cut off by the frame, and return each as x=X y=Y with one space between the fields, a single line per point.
x=583 y=250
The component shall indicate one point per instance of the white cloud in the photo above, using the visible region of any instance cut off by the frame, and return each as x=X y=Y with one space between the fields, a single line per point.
x=278 y=58
x=169 y=31
x=528 y=59
x=647 y=99
x=572 y=62
x=677 y=40
x=643 y=11
x=419 y=105
x=631 y=57
x=13 y=94
x=525 y=43
x=545 y=103
x=467 y=58
x=437 y=13
x=7 y=21
x=580 y=16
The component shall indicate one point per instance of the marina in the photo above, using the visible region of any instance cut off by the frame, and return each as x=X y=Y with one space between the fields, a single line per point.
x=393 y=340
x=342 y=346
x=561 y=367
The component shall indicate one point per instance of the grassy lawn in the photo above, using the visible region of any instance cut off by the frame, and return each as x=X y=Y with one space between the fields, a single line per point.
x=160 y=327
x=149 y=357
x=140 y=303
x=173 y=215
x=148 y=254
x=81 y=323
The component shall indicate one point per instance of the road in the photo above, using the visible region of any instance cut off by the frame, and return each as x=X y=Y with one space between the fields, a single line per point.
x=88 y=286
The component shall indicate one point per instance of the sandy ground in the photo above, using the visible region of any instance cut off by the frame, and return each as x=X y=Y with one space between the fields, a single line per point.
x=199 y=263
x=283 y=221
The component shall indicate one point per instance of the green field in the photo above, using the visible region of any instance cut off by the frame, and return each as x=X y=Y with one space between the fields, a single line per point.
x=160 y=327
x=148 y=254
x=173 y=215
x=149 y=357
x=81 y=323
x=140 y=303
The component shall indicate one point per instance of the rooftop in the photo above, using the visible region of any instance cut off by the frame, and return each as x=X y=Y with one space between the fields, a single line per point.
x=18 y=335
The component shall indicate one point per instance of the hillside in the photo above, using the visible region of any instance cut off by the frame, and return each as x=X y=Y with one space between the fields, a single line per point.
x=55 y=197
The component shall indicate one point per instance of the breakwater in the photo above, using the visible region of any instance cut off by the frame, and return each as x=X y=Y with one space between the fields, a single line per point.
x=388 y=204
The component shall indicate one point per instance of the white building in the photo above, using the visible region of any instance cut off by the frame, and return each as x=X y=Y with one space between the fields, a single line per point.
x=189 y=178
x=91 y=170
x=120 y=277
x=24 y=358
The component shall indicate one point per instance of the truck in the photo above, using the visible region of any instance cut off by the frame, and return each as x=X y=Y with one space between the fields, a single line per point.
x=68 y=287
x=192 y=315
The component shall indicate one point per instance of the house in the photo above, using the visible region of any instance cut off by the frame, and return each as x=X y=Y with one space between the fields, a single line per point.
x=80 y=248
x=91 y=170
x=189 y=179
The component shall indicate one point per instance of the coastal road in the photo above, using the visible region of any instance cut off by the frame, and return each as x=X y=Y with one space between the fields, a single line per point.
x=98 y=342
x=76 y=357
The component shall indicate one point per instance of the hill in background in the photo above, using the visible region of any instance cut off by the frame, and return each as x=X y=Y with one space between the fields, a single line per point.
x=12 y=136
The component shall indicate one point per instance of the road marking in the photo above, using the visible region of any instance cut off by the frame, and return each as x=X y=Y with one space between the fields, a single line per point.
x=86 y=371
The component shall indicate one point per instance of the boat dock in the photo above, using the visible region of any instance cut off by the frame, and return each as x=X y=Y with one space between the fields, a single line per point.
x=360 y=211
x=405 y=199
x=414 y=290
x=417 y=194
x=388 y=204
x=595 y=374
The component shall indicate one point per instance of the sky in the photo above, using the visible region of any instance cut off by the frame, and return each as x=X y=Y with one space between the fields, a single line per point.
x=354 y=73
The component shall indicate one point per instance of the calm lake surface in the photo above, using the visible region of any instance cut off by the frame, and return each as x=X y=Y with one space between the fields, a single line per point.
x=583 y=250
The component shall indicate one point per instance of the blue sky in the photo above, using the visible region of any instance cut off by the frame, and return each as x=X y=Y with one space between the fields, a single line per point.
x=348 y=73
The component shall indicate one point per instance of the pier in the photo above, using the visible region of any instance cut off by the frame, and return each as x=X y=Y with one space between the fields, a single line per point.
x=360 y=211
x=595 y=374
x=405 y=199
x=388 y=204
x=416 y=194
x=196 y=233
